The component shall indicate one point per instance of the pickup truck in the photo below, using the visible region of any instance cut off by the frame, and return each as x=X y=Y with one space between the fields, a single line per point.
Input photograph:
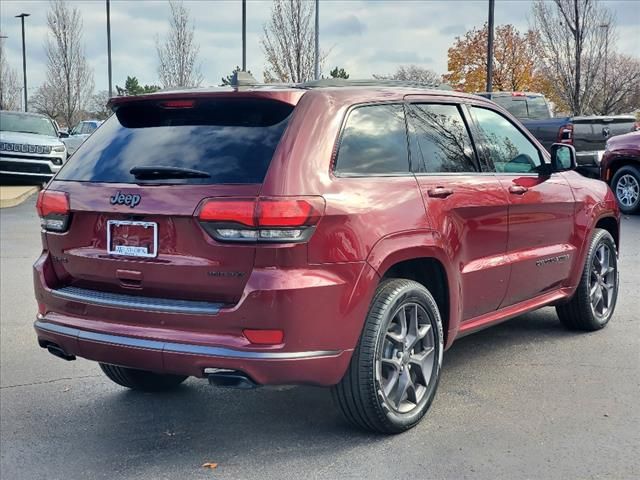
x=588 y=134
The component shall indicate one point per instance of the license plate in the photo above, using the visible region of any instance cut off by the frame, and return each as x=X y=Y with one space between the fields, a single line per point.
x=132 y=238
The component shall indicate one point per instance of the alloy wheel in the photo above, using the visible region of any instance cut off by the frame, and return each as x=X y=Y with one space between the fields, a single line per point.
x=603 y=279
x=628 y=190
x=407 y=358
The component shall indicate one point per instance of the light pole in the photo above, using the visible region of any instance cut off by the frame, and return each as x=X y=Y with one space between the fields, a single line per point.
x=605 y=103
x=24 y=59
x=317 y=41
x=244 y=35
x=490 y=48
x=2 y=37
x=109 y=47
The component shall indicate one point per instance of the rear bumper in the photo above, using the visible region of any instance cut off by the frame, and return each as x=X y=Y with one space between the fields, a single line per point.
x=268 y=367
x=321 y=310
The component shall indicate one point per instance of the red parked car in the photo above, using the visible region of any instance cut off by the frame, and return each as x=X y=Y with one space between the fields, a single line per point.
x=620 y=168
x=331 y=235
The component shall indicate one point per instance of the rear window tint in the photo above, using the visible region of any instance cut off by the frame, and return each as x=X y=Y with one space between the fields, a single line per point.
x=231 y=139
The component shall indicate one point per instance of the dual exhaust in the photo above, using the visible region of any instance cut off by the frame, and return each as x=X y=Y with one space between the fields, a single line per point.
x=220 y=377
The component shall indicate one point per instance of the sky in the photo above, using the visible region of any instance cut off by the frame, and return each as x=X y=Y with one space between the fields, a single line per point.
x=362 y=36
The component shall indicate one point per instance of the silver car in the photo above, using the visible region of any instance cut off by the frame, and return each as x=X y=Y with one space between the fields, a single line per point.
x=29 y=146
x=80 y=133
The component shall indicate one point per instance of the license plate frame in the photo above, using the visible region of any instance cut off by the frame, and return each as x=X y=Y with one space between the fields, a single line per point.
x=130 y=250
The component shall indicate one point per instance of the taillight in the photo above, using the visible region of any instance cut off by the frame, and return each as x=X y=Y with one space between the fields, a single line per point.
x=261 y=220
x=565 y=134
x=53 y=209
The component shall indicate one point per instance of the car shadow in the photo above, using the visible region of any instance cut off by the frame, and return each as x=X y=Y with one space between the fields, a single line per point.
x=255 y=429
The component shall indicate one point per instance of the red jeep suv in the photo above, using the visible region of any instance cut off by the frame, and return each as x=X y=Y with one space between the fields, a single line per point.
x=324 y=234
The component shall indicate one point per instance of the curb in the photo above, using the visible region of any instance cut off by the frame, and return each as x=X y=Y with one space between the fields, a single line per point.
x=15 y=196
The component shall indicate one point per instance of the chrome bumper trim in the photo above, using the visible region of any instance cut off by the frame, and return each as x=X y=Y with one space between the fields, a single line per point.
x=171 y=347
x=121 y=300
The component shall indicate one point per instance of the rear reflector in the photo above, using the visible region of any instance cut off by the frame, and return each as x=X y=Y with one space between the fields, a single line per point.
x=264 y=337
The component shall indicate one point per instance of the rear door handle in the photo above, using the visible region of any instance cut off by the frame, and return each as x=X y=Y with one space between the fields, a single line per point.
x=439 y=192
x=518 y=189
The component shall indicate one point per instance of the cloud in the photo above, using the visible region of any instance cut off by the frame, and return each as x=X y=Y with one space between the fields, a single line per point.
x=362 y=36
x=456 y=29
x=345 y=27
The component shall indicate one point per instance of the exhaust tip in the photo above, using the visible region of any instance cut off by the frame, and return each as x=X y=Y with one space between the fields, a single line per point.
x=222 y=377
x=58 y=352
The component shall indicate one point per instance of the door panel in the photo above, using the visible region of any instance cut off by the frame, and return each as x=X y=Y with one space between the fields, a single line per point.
x=541 y=207
x=540 y=247
x=473 y=221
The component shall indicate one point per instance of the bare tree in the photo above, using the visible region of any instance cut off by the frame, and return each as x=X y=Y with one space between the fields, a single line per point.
x=620 y=91
x=572 y=47
x=288 y=42
x=97 y=108
x=178 y=53
x=68 y=72
x=48 y=99
x=412 y=73
x=9 y=84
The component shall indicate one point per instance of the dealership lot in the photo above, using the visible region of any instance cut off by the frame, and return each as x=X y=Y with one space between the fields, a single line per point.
x=526 y=399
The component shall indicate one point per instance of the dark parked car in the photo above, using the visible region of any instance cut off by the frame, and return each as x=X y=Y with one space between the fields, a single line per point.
x=621 y=169
x=314 y=234
x=587 y=134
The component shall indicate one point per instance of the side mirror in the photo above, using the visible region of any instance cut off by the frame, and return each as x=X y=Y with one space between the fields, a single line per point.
x=63 y=134
x=563 y=157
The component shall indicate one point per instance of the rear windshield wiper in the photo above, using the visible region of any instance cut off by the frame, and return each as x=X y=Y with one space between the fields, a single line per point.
x=160 y=172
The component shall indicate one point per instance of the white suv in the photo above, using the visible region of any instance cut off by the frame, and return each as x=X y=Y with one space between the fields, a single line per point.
x=29 y=146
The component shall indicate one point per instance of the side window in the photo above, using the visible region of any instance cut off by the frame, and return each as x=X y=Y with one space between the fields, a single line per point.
x=509 y=150
x=76 y=130
x=374 y=141
x=87 y=128
x=439 y=139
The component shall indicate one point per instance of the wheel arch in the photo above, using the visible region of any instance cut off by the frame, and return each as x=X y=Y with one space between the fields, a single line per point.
x=618 y=163
x=416 y=256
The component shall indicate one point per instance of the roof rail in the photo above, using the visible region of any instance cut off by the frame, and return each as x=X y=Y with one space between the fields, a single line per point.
x=340 y=82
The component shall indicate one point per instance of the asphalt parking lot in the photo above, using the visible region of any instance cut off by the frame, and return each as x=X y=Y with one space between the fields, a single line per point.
x=526 y=399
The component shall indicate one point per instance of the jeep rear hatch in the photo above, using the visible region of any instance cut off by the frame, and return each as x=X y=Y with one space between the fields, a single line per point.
x=136 y=186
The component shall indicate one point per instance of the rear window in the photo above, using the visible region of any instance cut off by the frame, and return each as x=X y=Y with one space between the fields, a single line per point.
x=538 y=108
x=233 y=140
x=516 y=106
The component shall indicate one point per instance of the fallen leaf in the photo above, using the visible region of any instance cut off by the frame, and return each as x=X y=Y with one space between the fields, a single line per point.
x=66 y=389
x=169 y=434
x=210 y=465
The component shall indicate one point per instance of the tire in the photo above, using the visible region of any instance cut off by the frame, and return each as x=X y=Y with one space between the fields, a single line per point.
x=594 y=301
x=386 y=352
x=141 y=379
x=626 y=187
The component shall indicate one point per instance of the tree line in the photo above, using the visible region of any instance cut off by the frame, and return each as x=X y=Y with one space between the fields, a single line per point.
x=568 y=53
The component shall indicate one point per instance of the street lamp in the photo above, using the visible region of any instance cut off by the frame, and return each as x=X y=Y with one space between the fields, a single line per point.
x=244 y=35
x=109 y=47
x=317 y=42
x=490 y=48
x=24 y=58
x=605 y=103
